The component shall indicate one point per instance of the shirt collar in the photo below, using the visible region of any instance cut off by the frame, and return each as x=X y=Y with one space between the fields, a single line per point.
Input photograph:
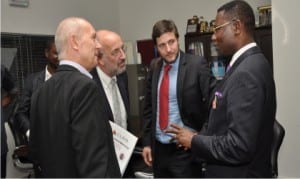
x=48 y=75
x=240 y=52
x=104 y=78
x=77 y=66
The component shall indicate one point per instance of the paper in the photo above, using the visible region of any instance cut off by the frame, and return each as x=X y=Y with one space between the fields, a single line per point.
x=124 y=143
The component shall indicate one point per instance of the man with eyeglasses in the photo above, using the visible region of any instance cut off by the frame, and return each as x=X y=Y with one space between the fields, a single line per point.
x=178 y=90
x=238 y=138
x=111 y=68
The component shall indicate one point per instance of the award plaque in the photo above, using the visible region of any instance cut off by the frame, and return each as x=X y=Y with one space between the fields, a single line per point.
x=192 y=25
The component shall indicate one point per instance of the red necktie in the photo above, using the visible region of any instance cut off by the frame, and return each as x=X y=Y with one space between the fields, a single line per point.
x=164 y=99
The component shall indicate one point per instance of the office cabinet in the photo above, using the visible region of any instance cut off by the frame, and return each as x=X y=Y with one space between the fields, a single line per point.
x=136 y=86
x=263 y=38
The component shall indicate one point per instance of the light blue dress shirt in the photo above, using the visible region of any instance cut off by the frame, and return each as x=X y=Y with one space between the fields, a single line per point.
x=77 y=66
x=174 y=114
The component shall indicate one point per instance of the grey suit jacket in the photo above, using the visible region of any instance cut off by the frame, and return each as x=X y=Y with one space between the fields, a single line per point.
x=70 y=133
x=237 y=141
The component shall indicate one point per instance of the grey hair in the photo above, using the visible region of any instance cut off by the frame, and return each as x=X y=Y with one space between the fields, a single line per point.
x=66 y=28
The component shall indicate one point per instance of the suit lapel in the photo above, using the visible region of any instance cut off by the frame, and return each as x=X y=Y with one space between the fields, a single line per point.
x=155 y=78
x=39 y=80
x=180 y=78
x=101 y=89
x=124 y=92
x=219 y=86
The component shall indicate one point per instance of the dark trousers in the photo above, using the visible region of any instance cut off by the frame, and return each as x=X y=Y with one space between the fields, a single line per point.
x=3 y=165
x=171 y=161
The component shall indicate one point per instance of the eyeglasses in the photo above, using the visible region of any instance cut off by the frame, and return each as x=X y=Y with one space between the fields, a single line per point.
x=215 y=29
x=118 y=52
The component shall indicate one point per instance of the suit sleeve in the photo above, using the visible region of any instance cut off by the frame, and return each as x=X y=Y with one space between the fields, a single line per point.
x=23 y=111
x=147 y=113
x=243 y=119
x=92 y=135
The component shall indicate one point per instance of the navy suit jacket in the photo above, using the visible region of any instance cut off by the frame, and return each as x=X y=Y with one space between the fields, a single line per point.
x=237 y=141
x=122 y=81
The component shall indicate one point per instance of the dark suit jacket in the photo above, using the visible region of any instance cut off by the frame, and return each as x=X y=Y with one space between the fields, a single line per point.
x=237 y=142
x=122 y=81
x=194 y=84
x=70 y=135
x=9 y=88
x=32 y=83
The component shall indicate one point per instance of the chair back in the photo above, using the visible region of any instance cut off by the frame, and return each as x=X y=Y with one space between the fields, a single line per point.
x=278 y=136
x=20 y=154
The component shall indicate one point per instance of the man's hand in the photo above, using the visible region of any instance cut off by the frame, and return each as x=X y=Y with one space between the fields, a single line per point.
x=147 y=156
x=183 y=136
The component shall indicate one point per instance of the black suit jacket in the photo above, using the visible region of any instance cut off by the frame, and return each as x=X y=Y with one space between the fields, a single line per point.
x=194 y=84
x=122 y=81
x=237 y=141
x=70 y=134
x=9 y=88
x=31 y=84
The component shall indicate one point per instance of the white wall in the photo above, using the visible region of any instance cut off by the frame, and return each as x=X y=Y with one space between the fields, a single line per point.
x=43 y=16
x=286 y=73
x=134 y=20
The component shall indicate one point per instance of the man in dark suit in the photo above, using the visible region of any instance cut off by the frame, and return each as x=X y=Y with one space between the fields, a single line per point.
x=32 y=83
x=112 y=66
x=238 y=138
x=187 y=100
x=70 y=135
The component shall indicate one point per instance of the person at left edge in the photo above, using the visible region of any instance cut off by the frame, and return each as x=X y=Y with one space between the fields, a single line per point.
x=70 y=135
x=8 y=92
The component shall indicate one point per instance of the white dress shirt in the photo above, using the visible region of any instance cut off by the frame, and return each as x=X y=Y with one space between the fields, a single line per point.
x=106 y=80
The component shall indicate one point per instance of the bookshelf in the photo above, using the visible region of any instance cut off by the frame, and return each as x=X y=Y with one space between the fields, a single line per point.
x=200 y=44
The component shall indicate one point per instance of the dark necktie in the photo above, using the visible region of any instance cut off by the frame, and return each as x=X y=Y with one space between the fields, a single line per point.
x=164 y=99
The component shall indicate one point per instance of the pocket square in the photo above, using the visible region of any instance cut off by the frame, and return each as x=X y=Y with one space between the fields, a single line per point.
x=218 y=94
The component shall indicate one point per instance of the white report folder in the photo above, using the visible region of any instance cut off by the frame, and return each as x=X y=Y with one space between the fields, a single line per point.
x=124 y=143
